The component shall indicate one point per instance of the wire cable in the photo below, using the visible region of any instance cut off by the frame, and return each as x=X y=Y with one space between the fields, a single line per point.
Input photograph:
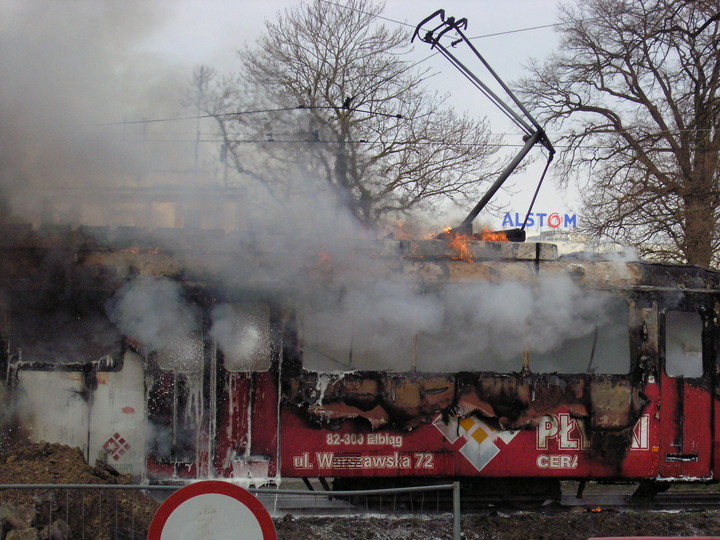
x=526 y=29
x=242 y=113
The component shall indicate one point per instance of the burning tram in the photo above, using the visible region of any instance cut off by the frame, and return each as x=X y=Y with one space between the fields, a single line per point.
x=177 y=355
x=503 y=365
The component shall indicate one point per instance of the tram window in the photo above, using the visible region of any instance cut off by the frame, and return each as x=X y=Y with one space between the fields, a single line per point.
x=242 y=333
x=341 y=342
x=481 y=329
x=172 y=413
x=373 y=328
x=461 y=327
x=463 y=344
x=683 y=344
x=603 y=347
x=183 y=355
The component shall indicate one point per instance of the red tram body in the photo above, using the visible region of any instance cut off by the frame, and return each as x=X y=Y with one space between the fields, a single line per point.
x=631 y=395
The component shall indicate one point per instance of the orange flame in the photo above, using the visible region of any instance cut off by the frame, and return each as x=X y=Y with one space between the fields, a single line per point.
x=486 y=235
x=401 y=232
x=459 y=242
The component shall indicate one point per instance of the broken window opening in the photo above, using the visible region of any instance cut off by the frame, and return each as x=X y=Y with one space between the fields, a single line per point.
x=173 y=430
x=349 y=332
x=175 y=400
x=481 y=327
x=602 y=348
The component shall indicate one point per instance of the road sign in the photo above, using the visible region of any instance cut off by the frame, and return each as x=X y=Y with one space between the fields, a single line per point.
x=212 y=510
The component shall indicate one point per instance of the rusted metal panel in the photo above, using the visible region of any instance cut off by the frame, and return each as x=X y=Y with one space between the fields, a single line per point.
x=615 y=403
x=514 y=401
x=414 y=399
x=401 y=400
x=593 y=415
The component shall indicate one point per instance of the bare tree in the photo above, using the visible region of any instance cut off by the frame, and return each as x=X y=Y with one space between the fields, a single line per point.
x=636 y=85
x=344 y=110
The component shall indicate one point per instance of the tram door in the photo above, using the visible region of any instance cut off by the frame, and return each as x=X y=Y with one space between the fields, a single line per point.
x=685 y=394
x=246 y=393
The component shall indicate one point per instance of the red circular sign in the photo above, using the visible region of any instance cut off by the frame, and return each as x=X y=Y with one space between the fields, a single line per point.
x=211 y=510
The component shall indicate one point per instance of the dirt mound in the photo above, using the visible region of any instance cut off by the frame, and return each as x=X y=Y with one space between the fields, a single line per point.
x=97 y=514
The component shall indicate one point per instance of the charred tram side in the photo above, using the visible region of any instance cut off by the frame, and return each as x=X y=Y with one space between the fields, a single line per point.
x=518 y=365
x=620 y=400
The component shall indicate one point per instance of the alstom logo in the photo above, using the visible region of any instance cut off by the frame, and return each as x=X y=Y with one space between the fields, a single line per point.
x=554 y=220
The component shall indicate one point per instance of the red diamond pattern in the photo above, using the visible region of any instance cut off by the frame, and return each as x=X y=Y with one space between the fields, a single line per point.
x=116 y=446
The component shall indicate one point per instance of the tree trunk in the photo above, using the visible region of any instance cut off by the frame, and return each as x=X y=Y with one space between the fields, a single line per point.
x=699 y=222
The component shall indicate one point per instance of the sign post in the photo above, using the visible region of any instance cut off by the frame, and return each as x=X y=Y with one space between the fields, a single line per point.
x=212 y=510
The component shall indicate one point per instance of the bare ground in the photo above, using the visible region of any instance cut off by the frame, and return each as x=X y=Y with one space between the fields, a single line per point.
x=525 y=526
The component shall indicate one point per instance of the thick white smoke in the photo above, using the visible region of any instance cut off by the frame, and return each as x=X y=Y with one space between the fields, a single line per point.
x=155 y=312
x=70 y=68
x=461 y=326
x=243 y=335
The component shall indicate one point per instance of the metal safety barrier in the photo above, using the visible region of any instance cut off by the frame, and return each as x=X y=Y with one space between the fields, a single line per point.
x=88 y=507
x=375 y=500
